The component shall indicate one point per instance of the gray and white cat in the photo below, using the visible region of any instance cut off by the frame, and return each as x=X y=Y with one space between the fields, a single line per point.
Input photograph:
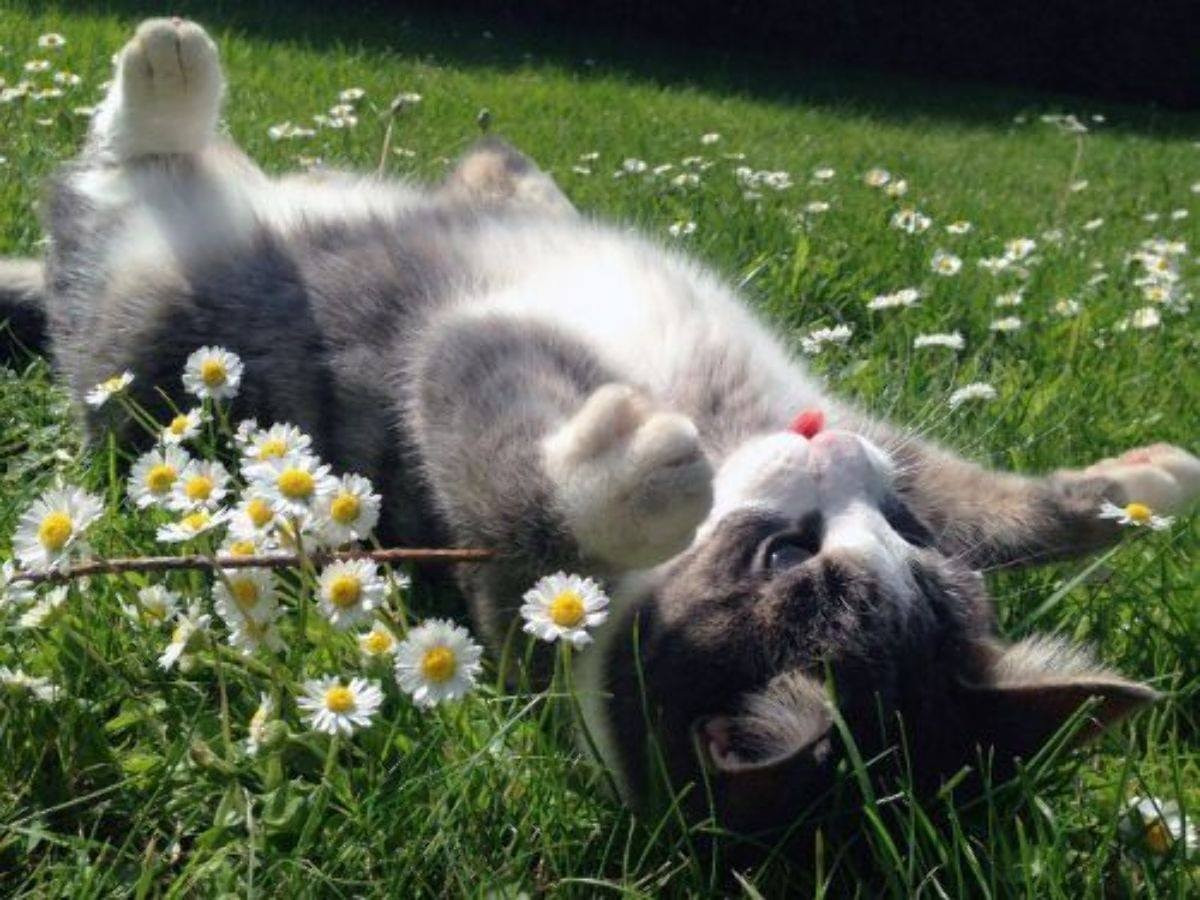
x=514 y=376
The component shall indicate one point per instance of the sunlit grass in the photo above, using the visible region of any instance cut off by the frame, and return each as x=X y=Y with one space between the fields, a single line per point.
x=127 y=786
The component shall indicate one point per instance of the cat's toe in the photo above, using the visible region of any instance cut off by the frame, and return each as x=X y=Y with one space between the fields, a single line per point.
x=171 y=56
x=1163 y=476
x=632 y=481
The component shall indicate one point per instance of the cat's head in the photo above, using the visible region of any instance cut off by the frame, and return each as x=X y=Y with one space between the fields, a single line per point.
x=811 y=595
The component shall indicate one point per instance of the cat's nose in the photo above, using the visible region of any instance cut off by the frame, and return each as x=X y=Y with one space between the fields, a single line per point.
x=843 y=465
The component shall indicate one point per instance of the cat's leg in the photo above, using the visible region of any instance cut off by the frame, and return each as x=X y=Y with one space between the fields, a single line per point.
x=165 y=97
x=994 y=519
x=532 y=451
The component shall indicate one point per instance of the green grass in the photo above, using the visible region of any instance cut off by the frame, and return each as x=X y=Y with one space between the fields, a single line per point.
x=126 y=786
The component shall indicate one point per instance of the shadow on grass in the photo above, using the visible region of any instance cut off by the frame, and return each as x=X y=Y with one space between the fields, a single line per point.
x=457 y=38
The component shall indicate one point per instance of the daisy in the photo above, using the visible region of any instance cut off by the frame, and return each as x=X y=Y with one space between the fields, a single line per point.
x=351 y=94
x=45 y=610
x=994 y=264
x=51 y=531
x=106 y=390
x=295 y=485
x=634 y=166
x=250 y=635
x=51 y=41
x=35 y=66
x=959 y=227
x=154 y=474
x=1092 y=224
x=685 y=179
x=155 y=605
x=202 y=484
x=953 y=341
x=405 y=100
x=816 y=206
x=1012 y=298
x=1019 y=248
x=183 y=427
x=911 y=221
x=1066 y=307
x=975 y=391
x=189 y=627
x=256 y=731
x=946 y=264
x=902 y=297
x=67 y=79
x=349 y=590
x=240 y=545
x=17 y=681
x=1144 y=318
x=1007 y=324
x=245 y=594
x=818 y=338
x=712 y=137
x=13 y=590
x=437 y=661
x=682 y=229
x=337 y=708
x=351 y=512
x=253 y=519
x=877 y=177
x=212 y=373
x=377 y=642
x=825 y=173
x=562 y=606
x=1136 y=514
x=1159 y=827
x=899 y=188
x=191 y=526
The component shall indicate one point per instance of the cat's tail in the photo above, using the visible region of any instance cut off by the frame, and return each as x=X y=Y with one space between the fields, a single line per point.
x=22 y=309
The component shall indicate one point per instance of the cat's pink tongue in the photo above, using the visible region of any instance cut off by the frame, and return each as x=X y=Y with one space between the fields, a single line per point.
x=808 y=423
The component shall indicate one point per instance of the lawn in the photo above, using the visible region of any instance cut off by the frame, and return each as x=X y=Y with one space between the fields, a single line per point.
x=135 y=780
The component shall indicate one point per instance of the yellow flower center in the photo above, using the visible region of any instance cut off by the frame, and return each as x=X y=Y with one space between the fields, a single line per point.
x=259 y=512
x=377 y=642
x=160 y=478
x=155 y=611
x=438 y=664
x=296 y=484
x=112 y=384
x=566 y=609
x=1159 y=837
x=344 y=509
x=339 y=699
x=243 y=547
x=181 y=634
x=272 y=448
x=212 y=373
x=179 y=425
x=244 y=591
x=344 y=591
x=198 y=487
x=196 y=521
x=1138 y=512
x=55 y=531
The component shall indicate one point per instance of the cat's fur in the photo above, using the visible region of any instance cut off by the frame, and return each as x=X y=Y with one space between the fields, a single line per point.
x=514 y=376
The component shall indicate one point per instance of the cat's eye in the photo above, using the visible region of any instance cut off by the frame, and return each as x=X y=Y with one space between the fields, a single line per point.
x=906 y=524
x=786 y=553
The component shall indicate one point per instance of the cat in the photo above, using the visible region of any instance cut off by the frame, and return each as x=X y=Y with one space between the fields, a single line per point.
x=514 y=376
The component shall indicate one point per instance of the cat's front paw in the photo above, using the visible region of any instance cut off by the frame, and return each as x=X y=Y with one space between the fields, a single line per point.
x=1164 y=477
x=631 y=480
x=167 y=93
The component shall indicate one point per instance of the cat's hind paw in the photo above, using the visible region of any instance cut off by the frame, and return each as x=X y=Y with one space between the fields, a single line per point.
x=1164 y=477
x=631 y=480
x=167 y=93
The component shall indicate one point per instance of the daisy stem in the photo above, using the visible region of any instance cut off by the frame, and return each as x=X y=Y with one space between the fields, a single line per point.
x=223 y=695
x=138 y=414
x=581 y=722
x=302 y=599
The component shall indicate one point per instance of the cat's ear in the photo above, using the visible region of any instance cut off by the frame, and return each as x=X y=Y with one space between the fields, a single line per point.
x=1034 y=688
x=761 y=759
x=495 y=174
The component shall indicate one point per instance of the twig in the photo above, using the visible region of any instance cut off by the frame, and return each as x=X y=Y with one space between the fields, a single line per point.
x=417 y=556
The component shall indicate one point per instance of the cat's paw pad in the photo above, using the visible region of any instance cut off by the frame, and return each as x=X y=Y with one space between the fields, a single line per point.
x=167 y=93
x=1164 y=477
x=631 y=480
